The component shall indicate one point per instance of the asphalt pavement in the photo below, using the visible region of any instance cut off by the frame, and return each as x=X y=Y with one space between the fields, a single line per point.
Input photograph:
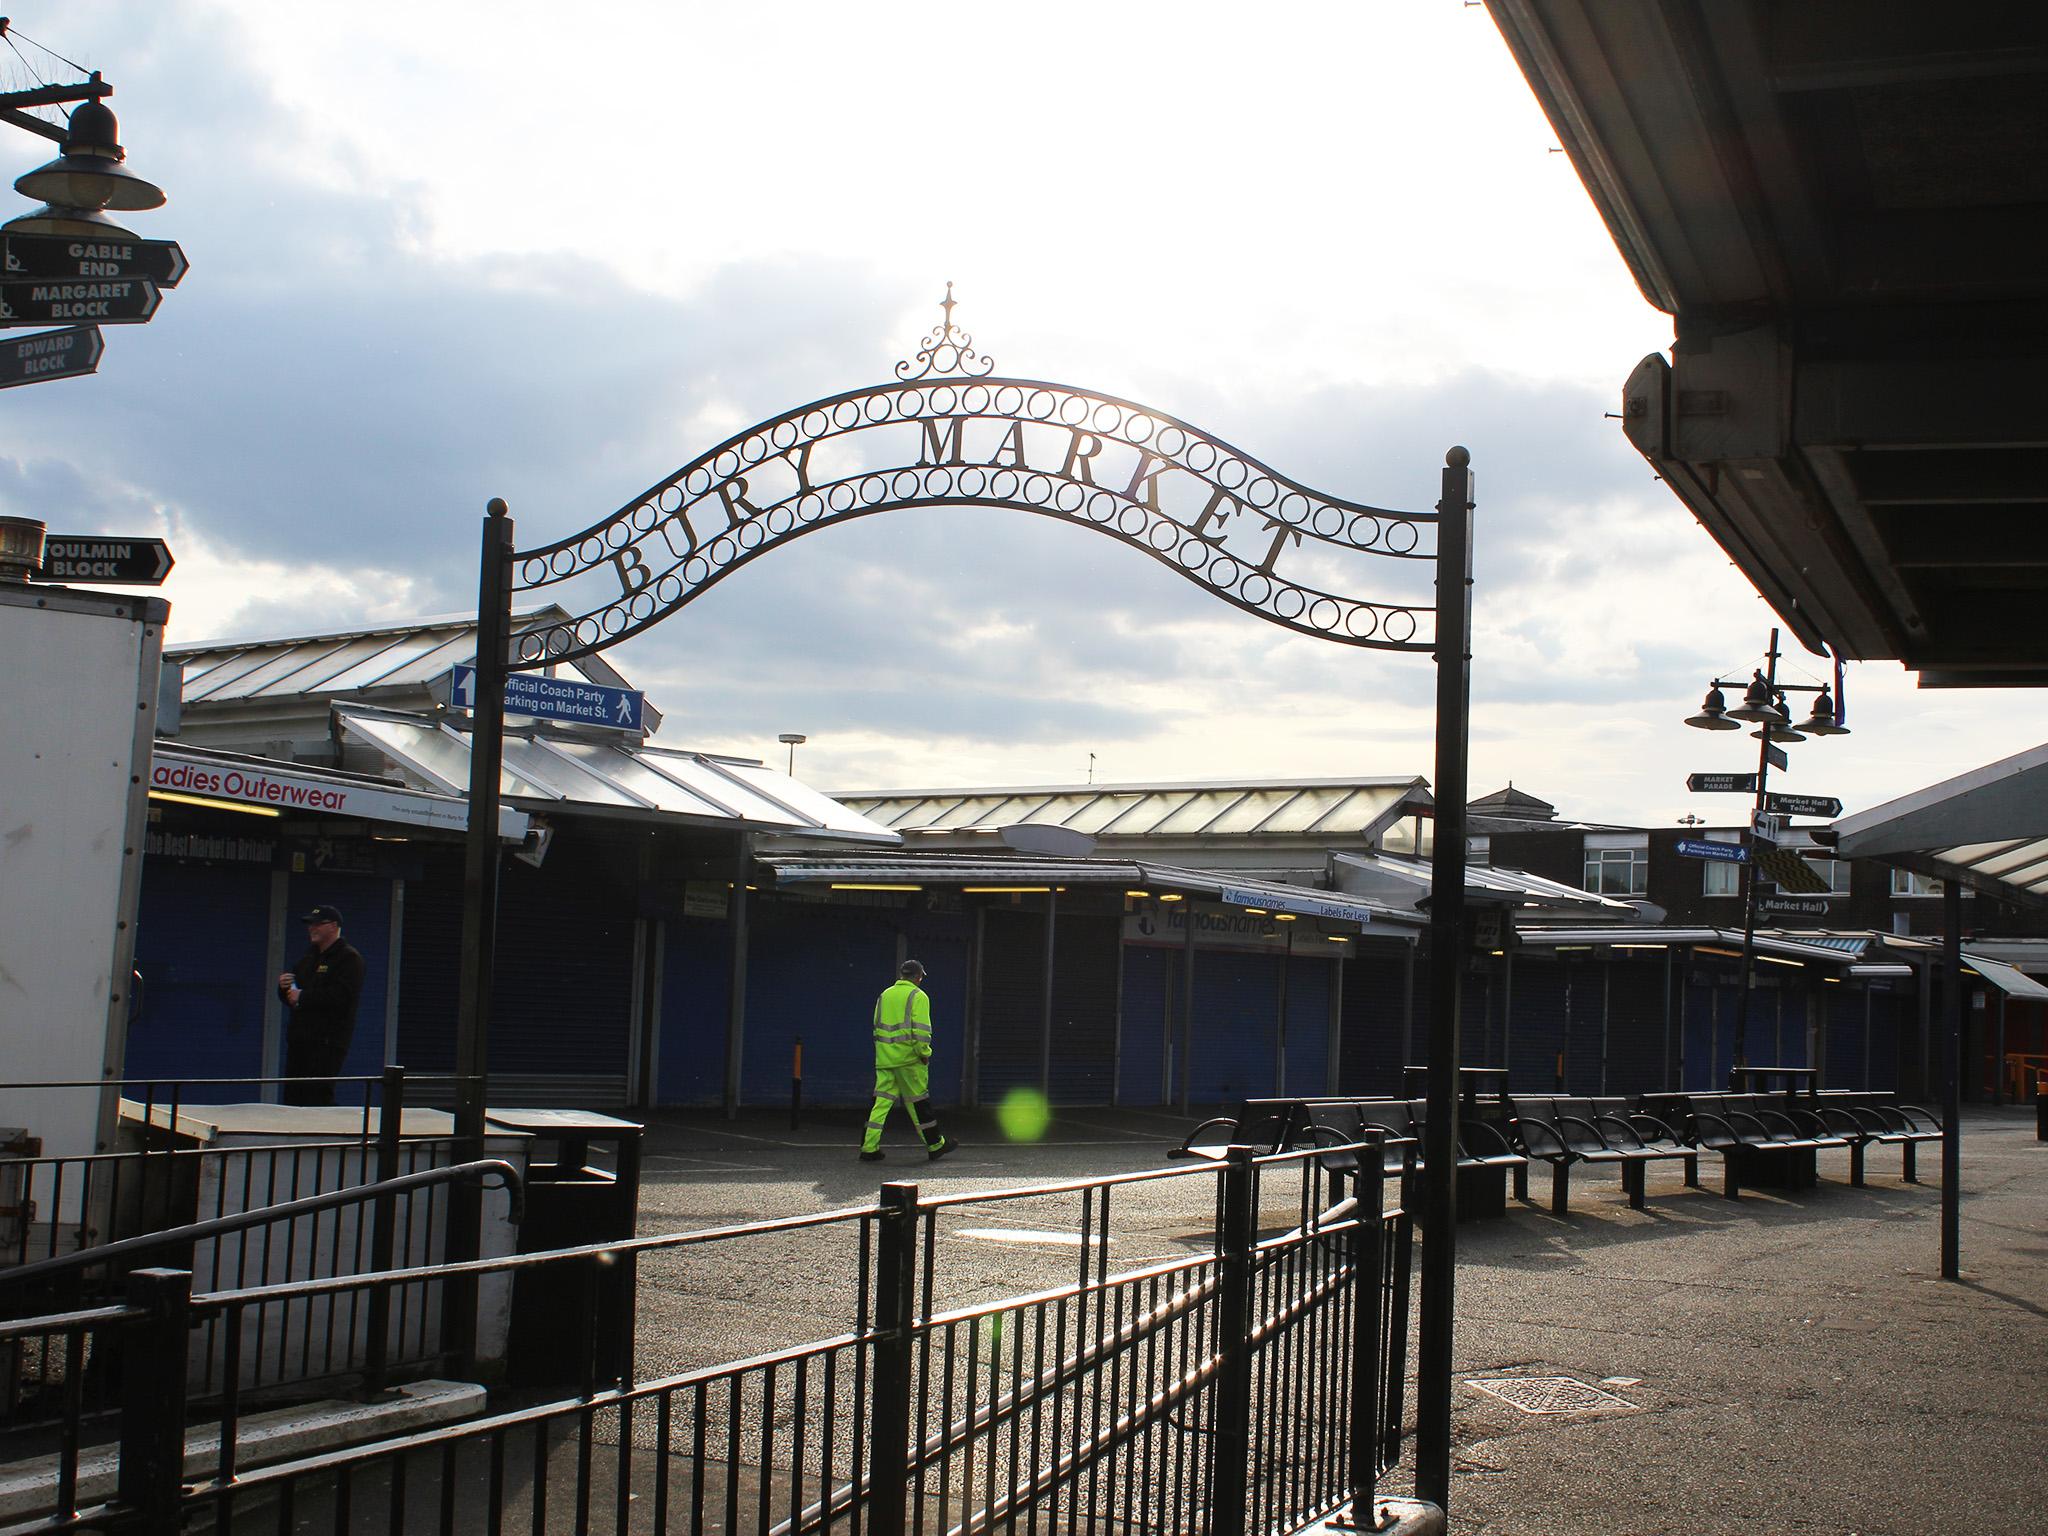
x=1788 y=1362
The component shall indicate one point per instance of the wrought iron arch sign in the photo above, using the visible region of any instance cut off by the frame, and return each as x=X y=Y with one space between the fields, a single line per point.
x=1217 y=516
x=1189 y=500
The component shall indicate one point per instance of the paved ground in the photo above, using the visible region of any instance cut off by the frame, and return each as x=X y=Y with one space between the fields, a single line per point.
x=1788 y=1363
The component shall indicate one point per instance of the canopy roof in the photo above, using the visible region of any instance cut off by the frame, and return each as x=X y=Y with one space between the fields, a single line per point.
x=1987 y=829
x=1266 y=808
x=1017 y=870
x=387 y=663
x=546 y=769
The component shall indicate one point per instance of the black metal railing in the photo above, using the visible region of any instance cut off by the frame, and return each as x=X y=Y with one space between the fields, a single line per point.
x=80 y=1219
x=1247 y=1378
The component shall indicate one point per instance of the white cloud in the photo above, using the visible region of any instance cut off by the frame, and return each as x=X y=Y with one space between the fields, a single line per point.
x=443 y=253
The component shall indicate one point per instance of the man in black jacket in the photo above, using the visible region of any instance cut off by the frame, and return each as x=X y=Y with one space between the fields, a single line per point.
x=322 y=991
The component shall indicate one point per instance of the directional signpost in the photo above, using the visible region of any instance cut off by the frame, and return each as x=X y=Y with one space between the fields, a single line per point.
x=1721 y=783
x=64 y=258
x=1723 y=853
x=1804 y=805
x=1792 y=906
x=558 y=698
x=98 y=301
x=105 y=557
x=65 y=354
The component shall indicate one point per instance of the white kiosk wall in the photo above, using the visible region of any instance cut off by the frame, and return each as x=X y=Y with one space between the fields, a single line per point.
x=78 y=698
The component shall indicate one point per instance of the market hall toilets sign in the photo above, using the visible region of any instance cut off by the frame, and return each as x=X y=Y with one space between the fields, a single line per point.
x=947 y=432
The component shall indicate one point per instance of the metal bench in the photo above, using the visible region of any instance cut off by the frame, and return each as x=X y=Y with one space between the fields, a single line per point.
x=1866 y=1119
x=1762 y=1139
x=1566 y=1131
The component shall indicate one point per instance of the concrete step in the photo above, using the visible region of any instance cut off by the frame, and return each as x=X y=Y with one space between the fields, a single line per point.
x=29 y=1487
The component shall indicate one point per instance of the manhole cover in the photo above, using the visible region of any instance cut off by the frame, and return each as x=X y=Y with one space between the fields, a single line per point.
x=1549 y=1394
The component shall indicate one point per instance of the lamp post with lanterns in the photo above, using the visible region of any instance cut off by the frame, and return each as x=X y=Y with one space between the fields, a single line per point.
x=1763 y=705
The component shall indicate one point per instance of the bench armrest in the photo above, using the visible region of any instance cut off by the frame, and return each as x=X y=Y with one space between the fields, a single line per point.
x=1187 y=1147
x=1841 y=1123
x=1492 y=1142
x=1762 y=1131
x=1589 y=1125
x=1916 y=1118
x=1776 y=1119
x=1707 y=1117
x=1632 y=1138
x=1532 y=1132
x=1638 y=1119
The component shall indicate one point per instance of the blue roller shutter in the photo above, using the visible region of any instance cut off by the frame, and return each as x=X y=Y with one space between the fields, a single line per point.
x=813 y=971
x=561 y=1002
x=691 y=1069
x=1084 y=1009
x=1537 y=1033
x=1236 y=1005
x=1147 y=1024
x=1635 y=1035
x=200 y=945
x=1308 y=1027
x=1012 y=993
x=430 y=967
x=1369 y=1059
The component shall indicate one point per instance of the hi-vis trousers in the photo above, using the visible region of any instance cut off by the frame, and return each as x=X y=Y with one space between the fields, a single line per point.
x=910 y=1087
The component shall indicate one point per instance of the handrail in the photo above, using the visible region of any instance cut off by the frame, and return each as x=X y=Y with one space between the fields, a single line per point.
x=87 y=1258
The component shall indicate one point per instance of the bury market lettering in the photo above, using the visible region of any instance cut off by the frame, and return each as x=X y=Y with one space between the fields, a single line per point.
x=942 y=444
x=235 y=784
x=631 y=562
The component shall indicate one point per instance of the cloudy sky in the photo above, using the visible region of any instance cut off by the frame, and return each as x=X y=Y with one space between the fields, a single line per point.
x=444 y=252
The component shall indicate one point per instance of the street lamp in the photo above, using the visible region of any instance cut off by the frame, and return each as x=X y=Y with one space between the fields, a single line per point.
x=88 y=176
x=792 y=740
x=1763 y=705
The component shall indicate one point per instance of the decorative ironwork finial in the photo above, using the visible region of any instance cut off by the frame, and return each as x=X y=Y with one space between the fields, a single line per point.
x=946 y=350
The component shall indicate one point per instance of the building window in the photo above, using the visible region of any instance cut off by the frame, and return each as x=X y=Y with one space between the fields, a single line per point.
x=1910 y=882
x=1479 y=851
x=1618 y=871
x=1834 y=871
x=1721 y=877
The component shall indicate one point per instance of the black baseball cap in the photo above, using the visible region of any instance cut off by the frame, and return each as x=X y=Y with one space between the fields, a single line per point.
x=322 y=914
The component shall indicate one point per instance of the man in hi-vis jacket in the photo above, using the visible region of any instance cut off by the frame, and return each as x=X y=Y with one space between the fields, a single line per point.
x=903 y=1051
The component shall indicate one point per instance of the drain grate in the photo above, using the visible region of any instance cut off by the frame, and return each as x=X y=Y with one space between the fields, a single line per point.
x=1549 y=1394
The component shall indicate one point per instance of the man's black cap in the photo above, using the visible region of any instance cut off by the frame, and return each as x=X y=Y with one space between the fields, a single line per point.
x=322 y=914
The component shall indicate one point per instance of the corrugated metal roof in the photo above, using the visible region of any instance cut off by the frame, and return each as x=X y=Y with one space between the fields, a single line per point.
x=2008 y=979
x=1771 y=944
x=345 y=662
x=1495 y=879
x=1256 y=808
x=622 y=776
x=1012 y=869
x=1987 y=829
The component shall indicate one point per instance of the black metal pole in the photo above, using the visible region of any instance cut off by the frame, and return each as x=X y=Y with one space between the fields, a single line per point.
x=736 y=976
x=1446 y=957
x=1952 y=1080
x=1052 y=917
x=479 y=903
x=1756 y=811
